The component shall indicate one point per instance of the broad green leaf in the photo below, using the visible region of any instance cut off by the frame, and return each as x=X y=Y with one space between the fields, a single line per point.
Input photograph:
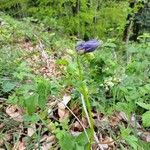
x=31 y=103
x=66 y=141
x=8 y=86
x=146 y=119
x=43 y=89
x=81 y=141
x=28 y=118
x=144 y=105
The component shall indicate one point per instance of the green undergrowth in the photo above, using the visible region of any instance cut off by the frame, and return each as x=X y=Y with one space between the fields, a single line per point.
x=117 y=77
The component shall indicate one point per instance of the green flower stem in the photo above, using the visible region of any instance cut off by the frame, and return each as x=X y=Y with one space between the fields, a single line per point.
x=84 y=92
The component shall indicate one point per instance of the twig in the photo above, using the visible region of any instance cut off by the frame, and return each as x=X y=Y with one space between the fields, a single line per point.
x=77 y=120
x=97 y=141
x=43 y=52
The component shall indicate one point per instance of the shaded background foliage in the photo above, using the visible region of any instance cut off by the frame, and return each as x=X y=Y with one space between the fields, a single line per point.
x=85 y=18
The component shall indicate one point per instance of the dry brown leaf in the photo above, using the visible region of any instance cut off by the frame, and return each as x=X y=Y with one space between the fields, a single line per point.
x=75 y=133
x=117 y=117
x=109 y=141
x=133 y=121
x=1 y=142
x=62 y=111
x=63 y=114
x=31 y=130
x=1 y=125
x=84 y=122
x=48 y=141
x=114 y=120
x=77 y=127
x=46 y=146
x=105 y=146
x=145 y=136
x=44 y=138
x=51 y=138
x=5 y=138
x=15 y=113
x=123 y=116
x=27 y=45
x=102 y=123
x=19 y=146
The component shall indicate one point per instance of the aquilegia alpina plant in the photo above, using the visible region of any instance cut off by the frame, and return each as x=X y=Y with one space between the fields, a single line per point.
x=86 y=47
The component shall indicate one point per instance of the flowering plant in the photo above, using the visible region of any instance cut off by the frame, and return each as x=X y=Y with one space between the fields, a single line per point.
x=86 y=47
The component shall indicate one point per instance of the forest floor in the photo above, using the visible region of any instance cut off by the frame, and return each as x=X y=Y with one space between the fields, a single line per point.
x=27 y=50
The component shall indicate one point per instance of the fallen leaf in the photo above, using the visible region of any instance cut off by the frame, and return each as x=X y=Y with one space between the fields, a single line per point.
x=75 y=133
x=19 y=146
x=51 y=138
x=134 y=122
x=15 y=113
x=145 y=136
x=66 y=99
x=31 y=130
x=105 y=146
x=109 y=141
x=1 y=125
x=62 y=111
x=1 y=142
x=5 y=138
x=84 y=122
x=76 y=127
x=63 y=114
x=47 y=142
x=44 y=138
x=123 y=116
x=114 y=120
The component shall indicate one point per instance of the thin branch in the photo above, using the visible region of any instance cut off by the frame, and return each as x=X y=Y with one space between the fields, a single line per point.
x=43 y=52
x=77 y=120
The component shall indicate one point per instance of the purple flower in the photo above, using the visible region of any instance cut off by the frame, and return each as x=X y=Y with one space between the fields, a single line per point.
x=88 y=46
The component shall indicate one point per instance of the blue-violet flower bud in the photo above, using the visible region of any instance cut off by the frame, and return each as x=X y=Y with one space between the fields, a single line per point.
x=88 y=46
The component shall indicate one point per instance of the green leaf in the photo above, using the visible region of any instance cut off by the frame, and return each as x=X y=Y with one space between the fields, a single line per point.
x=144 y=105
x=8 y=86
x=31 y=103
x=146 y=119
x=125 y=107
x=81 y=142
x=13 y=99
x=132 y=141
x=43 y=89
x=66 y=141
x=125 y=132
x=28 y=118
